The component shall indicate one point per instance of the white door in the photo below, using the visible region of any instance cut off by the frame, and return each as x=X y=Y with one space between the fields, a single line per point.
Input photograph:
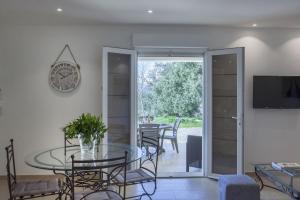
x=224 y=102
x=118 y=95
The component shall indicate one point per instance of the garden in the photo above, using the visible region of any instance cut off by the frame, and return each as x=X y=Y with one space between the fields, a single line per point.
x=170 y=89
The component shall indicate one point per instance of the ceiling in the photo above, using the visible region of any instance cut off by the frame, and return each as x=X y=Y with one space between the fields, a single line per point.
x=240 y=13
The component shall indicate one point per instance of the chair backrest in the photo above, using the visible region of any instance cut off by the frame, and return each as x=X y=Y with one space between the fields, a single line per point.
x=150 y=146
x=72 y=143
x=68 y=142
x=11 y=167
x=109 y=169
x=151 y=130
x=176 y=125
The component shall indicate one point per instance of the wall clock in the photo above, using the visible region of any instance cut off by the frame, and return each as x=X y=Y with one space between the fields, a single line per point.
x=64 y=76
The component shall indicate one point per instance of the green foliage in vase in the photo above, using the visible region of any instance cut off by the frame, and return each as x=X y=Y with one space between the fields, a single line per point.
x=90 y=127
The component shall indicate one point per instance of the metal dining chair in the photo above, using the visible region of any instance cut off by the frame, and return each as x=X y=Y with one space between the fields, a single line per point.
x=69 y=143
x=28 y=189
x=81 y=180
x=173 y=136
x=147 y=171
x=103 y=189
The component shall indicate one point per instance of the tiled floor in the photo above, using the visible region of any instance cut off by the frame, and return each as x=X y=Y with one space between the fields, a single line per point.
x=180 y=189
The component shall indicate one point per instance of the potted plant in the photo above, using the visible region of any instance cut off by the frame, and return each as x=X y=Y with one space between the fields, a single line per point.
x=89 y=129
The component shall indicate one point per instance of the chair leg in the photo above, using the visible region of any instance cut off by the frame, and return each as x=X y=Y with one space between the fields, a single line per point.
x=162 y=144
x=176 y=145
x=173 y=146
x=141 y=197
x=146 y=192
x=187 y=167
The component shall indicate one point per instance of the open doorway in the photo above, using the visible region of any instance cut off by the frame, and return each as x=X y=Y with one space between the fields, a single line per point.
x=128 y=85
x=170 y=93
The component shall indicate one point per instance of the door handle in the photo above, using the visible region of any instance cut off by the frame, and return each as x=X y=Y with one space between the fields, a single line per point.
x=238 y=120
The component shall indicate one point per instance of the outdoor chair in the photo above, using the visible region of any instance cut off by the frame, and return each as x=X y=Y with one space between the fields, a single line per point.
x=103 y=189
x=193 y=152
x=147 y=171
x=151 y=130
x=148 y=129
x=173 y=136
x=27 y=189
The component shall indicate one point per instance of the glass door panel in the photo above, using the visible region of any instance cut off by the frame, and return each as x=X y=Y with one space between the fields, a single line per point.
x=224 y=111
x=119 y=98
x=224 y=140
x=118 y=106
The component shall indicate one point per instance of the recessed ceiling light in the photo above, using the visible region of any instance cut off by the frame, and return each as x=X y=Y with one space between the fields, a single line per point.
x=254 y=25
x=150 y=11
x=59 y=10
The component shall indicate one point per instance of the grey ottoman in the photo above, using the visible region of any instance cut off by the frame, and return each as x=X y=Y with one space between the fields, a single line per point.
x=238 y=187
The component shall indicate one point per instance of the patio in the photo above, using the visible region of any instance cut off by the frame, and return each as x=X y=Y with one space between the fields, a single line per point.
x=170 y=161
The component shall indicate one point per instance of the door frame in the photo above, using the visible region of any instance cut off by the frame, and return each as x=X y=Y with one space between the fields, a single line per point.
x=133 y=85
x=207 y=103
x=208 y=73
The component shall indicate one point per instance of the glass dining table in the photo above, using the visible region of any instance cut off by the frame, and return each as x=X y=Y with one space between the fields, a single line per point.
x=56 y=159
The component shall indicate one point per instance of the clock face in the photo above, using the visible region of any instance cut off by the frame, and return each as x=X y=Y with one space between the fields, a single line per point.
x=64 y=76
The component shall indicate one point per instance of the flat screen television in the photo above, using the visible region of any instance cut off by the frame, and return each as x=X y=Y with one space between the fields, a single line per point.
x=276 y=92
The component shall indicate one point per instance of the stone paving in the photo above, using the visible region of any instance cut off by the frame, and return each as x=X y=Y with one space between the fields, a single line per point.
x=170 y=161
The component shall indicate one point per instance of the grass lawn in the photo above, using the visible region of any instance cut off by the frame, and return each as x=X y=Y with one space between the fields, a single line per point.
x=187 y=122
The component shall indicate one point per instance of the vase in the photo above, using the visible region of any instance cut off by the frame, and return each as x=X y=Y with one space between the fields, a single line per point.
x=87 y=150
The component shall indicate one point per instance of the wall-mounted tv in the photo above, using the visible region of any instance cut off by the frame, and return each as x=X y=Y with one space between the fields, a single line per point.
x=276 y=92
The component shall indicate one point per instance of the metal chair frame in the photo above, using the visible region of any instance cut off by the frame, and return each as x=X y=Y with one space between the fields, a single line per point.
x=81 y=179
x=12 y=176
x=107 y=171
x=151 y=147
x=67 y=141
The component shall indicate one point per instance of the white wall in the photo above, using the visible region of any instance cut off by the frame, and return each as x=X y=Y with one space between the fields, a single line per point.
x=33 y=113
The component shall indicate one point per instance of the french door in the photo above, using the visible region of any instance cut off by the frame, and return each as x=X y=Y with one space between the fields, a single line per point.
x=224 y=92
x=118 y=95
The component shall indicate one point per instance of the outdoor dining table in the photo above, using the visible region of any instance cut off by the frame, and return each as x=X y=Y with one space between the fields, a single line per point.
x=56 y=160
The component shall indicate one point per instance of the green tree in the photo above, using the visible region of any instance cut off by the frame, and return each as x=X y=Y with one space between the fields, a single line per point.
x=146 y=80
x=178 y=91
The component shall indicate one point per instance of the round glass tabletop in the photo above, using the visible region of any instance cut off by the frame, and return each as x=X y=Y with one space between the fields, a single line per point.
x=55 y=158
